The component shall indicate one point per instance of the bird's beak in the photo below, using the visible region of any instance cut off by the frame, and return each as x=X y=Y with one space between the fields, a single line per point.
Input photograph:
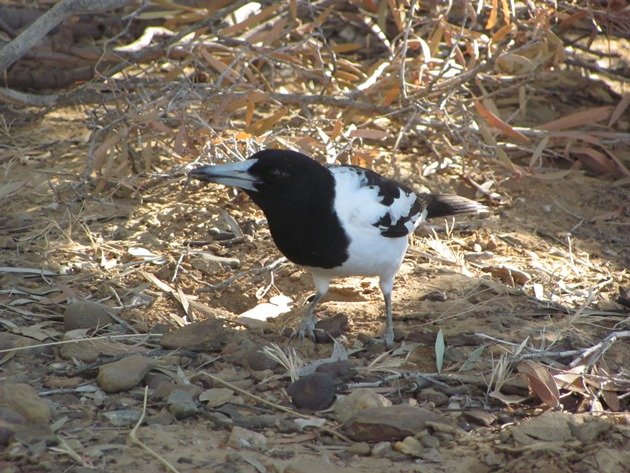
x=230 y=174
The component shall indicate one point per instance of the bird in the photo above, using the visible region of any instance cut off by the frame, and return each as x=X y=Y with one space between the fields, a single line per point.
x=335 y=220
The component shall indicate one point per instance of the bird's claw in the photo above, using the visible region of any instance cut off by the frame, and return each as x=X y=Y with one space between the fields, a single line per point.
x=387 y=339
x=306 y=328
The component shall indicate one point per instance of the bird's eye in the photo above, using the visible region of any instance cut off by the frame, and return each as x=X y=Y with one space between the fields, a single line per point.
x=274 y=174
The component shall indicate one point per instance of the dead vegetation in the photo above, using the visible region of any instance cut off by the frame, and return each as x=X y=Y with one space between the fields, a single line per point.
x=521 y=105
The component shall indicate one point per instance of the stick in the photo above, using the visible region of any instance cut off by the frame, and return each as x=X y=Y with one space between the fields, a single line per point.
x=45 y=23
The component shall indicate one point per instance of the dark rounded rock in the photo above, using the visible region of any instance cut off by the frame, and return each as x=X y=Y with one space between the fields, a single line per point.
x=341 y=371
x=329 y=328
x=86 y=314
x=258 y=361
x=206 y=335
x=314 y=392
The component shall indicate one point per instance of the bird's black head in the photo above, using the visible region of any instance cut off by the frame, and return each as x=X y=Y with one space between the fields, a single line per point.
x=274 y=179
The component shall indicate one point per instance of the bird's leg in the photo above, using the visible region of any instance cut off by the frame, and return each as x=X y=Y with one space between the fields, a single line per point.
x=388 y=336
x=386 y=284
x=307 y=325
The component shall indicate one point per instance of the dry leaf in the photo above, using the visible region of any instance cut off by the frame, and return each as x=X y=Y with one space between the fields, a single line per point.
x=596 y=161
x=494 y=13
x=619 y=109
x=261 y=126
x=251 y=21
x=495 y=122
x=541 y=382
x=369 y=134
x=585 y=117
x=612 y=400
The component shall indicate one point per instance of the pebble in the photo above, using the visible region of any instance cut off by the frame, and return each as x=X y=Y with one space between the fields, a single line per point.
x=330 y=327
x=207 y=335
x=215 y=397
x=258 y=361
x=433 y=396
x=123 y=418
x=181 y=404
x=392 y=423
x=241 y=438
x=359 y=448
x=347 y=406
x=123 y=374
x=314 y=392
x=340 y=371
x=24 y=400
x=165 y=388
x=86 y=314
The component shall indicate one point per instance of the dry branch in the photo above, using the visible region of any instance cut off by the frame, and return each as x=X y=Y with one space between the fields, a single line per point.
x=45 y=23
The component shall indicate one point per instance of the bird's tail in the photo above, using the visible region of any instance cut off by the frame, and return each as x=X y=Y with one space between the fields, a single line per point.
x=445 y=205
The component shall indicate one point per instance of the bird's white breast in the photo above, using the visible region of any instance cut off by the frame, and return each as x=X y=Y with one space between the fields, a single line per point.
x=359 y=207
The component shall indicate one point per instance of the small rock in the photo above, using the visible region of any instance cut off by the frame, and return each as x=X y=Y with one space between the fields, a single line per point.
x=15 y=452
x=430 y=455
x=264 y=375
x=24 y=400
x=11 y=340
x=550 y=426
x=244 y=384
x=161 y=418
x=35 y=433
x=164 y=389
x=359 y=448
x=340 y=371
x=435 y=296
x=9 y=421
x=181 y=404
x=409 y=446
x=348 y=406
x=480 y=417
x=505 y=436
x=258 y=361
x=612 y=460
x=391 y=423
x=433 y=396
x=330 y=327
x=7 y=467
x=61 y=382
x=152 y=380
x=455 y=355
x=314 y=392
x=215 y=397
x=312 y=466
x=493 y=459
x=210 y=264
x=123 y=374
x=241 y=438
x=520 y=437
x=86 y=314
x=207 y=335
x=84 y=351
x=123 y=418
x=429 y=440
x=588 y=432
x=381 y=449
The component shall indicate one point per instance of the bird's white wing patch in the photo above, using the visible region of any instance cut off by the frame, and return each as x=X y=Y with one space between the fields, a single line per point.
x=369 y=202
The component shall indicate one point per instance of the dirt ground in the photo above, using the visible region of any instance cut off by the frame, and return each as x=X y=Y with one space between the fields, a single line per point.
x=568 y=237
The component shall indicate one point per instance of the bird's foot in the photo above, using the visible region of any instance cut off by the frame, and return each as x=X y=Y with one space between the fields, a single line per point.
x=307 y=327
x=387 y=339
